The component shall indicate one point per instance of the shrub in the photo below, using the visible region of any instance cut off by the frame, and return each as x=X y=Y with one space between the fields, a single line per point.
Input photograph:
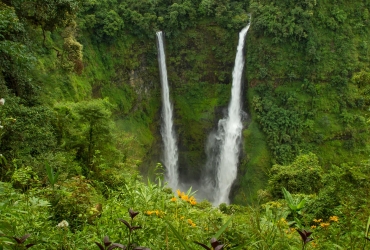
x=304 y=175
x=24 y=178
x=344 y=186
x=73 y=201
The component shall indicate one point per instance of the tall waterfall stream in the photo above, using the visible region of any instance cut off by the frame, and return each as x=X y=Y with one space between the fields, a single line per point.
x=224 y=145
x=170 y=155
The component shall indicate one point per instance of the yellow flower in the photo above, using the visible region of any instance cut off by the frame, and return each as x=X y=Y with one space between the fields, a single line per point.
x=192 y=200
x=148 y=212
x=185 y=197
x=317 y=221
x=275 y=204
x=178 y=192
x=191 y=223
x=324 y=224
x=173 y=199
x=313 y=244
x=182 y=217
x=313 y=226
x=290 y=232
x=333 y=218
x=283 y=221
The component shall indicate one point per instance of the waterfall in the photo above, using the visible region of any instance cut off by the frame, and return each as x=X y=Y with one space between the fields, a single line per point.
x=170 y=157
x=224 y=151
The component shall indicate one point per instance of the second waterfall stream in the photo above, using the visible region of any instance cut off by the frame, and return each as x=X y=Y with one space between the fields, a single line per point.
x=223 y=155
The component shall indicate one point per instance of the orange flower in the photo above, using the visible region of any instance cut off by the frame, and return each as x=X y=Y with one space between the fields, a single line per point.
x=173 y=199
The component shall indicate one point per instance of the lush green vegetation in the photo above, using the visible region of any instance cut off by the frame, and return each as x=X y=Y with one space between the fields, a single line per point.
x=71 y=214
x=306 y=58
x=81 y=118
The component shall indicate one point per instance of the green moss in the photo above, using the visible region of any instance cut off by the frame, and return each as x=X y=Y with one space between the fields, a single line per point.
x=254 y=166
x=198 y=107
x=122 y=96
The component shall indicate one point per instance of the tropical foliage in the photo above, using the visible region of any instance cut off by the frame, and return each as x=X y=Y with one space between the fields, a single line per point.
x=79 y=113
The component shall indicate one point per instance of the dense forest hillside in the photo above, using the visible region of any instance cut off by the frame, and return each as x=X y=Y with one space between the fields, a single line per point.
x=308 y=68
x=80 y=122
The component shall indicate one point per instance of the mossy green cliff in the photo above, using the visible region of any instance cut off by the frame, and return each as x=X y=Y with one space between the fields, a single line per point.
x=306 y=81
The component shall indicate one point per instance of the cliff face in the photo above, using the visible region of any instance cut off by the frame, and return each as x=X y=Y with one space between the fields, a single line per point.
x=306 y=78
x=305 y=87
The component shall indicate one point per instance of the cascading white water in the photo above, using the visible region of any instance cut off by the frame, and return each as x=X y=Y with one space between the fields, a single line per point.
x=167 y=130
x=229 y=131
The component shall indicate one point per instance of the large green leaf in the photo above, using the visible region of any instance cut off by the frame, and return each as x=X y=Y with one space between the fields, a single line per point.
x=301 y=204
x=223 y=228
x=288 y=197
x=178 y=236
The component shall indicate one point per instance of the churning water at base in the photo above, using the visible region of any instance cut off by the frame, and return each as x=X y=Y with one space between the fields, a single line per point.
x=223 y=146
x=170 y=156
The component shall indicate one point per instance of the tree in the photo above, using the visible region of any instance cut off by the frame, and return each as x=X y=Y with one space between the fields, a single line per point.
x=48 y=14
x=15 y=57
x=85 y=128
x=113 y=24
x=206 y=7
x=71 y=57
x=29 y=131
x=304 y=175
